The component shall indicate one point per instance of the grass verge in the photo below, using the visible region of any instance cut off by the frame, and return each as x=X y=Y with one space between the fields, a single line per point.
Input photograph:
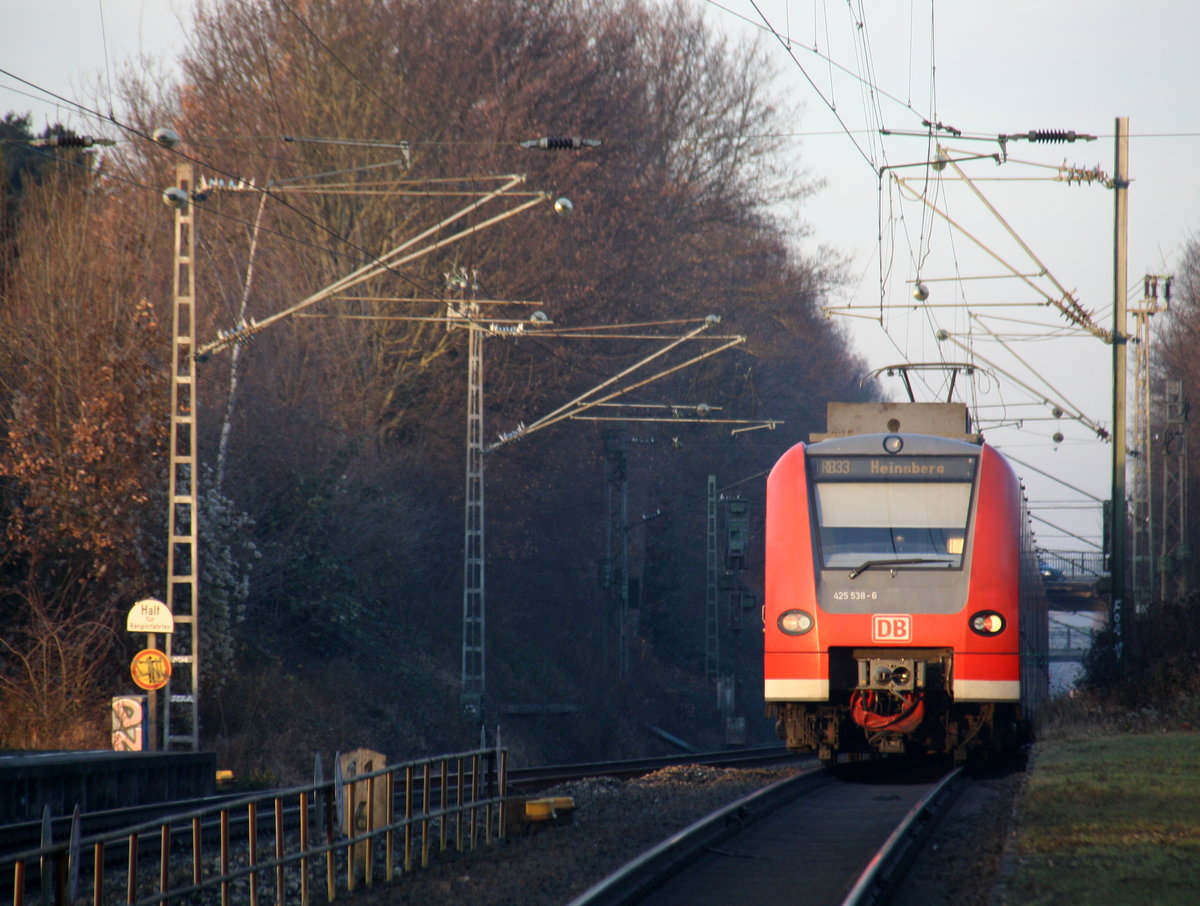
x=1109 y=820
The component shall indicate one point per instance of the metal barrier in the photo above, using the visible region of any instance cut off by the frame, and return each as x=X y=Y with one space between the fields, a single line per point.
x=1072 y=566
x=310 y=830
x=1071 y=643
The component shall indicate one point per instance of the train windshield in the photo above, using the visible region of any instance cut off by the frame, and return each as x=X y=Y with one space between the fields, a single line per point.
x=913 y=510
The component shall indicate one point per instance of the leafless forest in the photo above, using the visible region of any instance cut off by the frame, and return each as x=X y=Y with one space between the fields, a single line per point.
x=333 y=446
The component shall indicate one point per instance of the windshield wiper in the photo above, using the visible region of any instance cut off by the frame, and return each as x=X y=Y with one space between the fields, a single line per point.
x=859 y=570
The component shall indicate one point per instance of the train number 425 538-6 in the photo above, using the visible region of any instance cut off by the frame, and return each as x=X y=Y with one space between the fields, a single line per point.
x=855 y=595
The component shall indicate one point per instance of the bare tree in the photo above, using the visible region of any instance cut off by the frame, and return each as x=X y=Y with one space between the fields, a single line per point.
x=80 y=373
x=347 y=435
x=54 y=667
x=1174 y=358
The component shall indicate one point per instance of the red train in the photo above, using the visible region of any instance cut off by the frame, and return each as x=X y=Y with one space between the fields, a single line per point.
x=904 y=610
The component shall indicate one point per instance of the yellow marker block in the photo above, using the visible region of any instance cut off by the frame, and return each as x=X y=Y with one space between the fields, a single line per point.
x=550 y=807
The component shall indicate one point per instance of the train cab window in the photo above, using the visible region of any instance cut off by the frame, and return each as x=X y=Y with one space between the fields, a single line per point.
x=871 y=509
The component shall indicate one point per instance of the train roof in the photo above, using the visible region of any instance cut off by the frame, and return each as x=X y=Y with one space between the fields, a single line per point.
x=948 y=420
x=919 y=444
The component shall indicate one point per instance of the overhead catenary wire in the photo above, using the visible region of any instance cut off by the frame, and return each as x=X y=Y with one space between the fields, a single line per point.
x=380 y=264
x=245 y=330
x=329 y=50
x=832 y=108
x=863 y=60
x=1066 y=532
x=582 y=402
x=132 y=130
x=1065 y=304
x=974 y=322
x=1068 y=410
x=266 y=190
x=1055 y=478
x=763 y=25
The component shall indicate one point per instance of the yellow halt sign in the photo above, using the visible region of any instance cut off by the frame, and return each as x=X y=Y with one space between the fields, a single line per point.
x=150 y=669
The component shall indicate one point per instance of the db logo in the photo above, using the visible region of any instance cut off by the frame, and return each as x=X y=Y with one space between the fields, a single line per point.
x=891 y=627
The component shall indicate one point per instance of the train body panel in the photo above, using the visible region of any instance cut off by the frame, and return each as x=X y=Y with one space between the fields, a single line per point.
x=903 y=608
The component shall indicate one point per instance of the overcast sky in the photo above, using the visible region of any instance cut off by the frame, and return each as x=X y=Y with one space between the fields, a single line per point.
x=984 y=69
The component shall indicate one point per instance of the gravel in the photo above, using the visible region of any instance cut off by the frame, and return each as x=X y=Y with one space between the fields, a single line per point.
x=614 y=821
x=961 y=863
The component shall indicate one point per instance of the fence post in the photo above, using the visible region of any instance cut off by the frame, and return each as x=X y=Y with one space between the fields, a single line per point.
x=197 y=851
x=164 y=857
x=503 y=789
x=279 y=885
x=425 y=799
x=369 y=866
x=252 y=849
x=47 y=840
x=461 y=797
x=330 y=811
x=224 y=857
x=408 y=814
x=131 y=879
x=304 y=843
x=390 y=839
x=73 y=858
x=445 y=800
x=97 y=874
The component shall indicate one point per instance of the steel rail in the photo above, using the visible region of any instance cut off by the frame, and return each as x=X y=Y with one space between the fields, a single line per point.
x=426 y=799
x=633 y=767
x=887 y=866
x=25 y=835
x=672 y=855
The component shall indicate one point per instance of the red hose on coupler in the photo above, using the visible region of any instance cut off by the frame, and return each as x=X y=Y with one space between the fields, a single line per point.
x=905 y=722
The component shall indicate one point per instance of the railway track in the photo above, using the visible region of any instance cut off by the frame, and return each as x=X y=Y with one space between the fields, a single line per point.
x=450 y=801
x=548 y=775
x=26 y=835
x=829 y=836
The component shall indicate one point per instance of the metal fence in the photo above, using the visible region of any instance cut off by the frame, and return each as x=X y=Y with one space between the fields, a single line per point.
x=1072 y=566
x=273 y=848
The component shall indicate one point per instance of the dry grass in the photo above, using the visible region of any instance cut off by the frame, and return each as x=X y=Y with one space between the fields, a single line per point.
x=1109 y=819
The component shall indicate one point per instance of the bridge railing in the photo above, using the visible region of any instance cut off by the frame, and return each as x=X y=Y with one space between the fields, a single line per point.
x=1072 y=566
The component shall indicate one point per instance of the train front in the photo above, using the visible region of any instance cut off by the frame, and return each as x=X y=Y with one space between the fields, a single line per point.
x=893 y=596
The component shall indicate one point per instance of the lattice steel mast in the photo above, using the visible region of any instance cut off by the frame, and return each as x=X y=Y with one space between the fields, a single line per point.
x=473 y=652
x=1142 y=573
x=181 y=712
x=1173 y=558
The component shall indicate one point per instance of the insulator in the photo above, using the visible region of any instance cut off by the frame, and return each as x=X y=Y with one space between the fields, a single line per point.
x=63 y=141
x=561 y=143
x=1051 y=136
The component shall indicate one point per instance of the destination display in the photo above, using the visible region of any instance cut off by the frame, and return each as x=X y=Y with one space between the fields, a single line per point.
x=893 y=468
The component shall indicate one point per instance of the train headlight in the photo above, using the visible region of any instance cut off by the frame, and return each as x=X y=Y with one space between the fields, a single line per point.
x=893 y=444
x=987 y=622
x=796 y=622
